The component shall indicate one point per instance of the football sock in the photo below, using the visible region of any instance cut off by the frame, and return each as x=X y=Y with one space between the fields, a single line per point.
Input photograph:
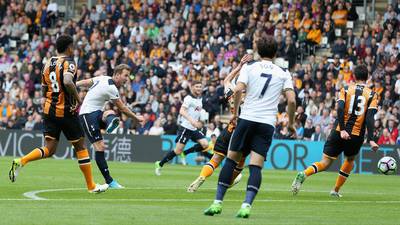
x=343 y=174
x=110 y=118
x=103 y=167
x=253 y=184
x=314 y=168
x=209 y=168
x=170 y=155
x=207 y=154
x=37 y=153
x=86 y=168
x=238 y=169
x=224 y=179
x=194 y=148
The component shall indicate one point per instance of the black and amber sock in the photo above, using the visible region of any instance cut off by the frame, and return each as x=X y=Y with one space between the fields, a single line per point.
x=37 y=153
x=344 y=173
x=86 y=167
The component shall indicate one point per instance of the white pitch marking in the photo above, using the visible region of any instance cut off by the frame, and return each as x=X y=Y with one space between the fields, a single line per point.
x=33 y=195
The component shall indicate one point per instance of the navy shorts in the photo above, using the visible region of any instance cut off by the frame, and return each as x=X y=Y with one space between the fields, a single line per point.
x=251 y=136
x=92 y=124
x=184 y=135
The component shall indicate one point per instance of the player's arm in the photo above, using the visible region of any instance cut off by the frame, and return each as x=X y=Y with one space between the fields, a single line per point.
x=233 y=74
x=291 y=100
x=290 y=95
x=340 y=114
x=184 y=112
x=85 y=83
x=369 y=120
x=70 y=86
x=237 y=97
x=124 y=109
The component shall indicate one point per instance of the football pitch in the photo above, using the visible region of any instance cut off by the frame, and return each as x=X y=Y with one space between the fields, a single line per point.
x=148 y=199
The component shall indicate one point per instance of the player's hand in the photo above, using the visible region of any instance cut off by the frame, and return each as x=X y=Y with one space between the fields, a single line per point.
x=139 y=119
x=75 y=106
x=197 y=124
x=233 y=119
x=344 y=135
x=292 y=131
x=246 y=58
x=374 y=146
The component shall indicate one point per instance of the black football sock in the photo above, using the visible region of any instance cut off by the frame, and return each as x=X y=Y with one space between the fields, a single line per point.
x=253 y=184
x=170 y=155
x=103 y=167
x=194 y=148
x=224 y=179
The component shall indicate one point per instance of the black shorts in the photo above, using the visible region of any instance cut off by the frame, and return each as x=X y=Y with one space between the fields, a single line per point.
x=92 y=124
x=222 y=143
x=70 y=126
x=335 y=145
x=184 y=135
x=251 y=136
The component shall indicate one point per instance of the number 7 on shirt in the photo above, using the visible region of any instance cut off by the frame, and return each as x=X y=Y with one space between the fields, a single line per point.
x=269 y=77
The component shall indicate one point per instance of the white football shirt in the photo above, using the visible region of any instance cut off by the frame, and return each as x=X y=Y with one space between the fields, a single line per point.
x=265 y=82
x=102 y=90
x=194 y=106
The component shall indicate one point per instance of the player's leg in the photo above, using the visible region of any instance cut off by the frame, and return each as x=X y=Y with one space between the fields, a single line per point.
x=316 y=167
x=82 y=155
x=352 y=149
x=52 y=134
x=206 y=171
x=238 y=140
x=182 y=138
x=253 y=183
x=36 y=154
x=75 y=135
x=111 y=120
x=202 y=144
x=259 y=144
x=332 y=148
x=101 y=163
x=237 y=172
x=344 y=173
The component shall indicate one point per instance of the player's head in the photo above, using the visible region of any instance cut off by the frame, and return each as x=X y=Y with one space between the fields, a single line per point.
x=361 y=73
x=64 y=45
x=196 y=88
x=121 y=73
x=267 y=47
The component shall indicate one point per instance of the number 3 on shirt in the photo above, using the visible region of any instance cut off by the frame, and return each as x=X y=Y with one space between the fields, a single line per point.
x=269 y=77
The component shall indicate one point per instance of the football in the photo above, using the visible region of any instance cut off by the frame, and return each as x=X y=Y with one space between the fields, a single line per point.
x=387 y=165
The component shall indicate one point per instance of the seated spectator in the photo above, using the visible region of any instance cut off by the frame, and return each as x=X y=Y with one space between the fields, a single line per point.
x=318 y=135
x=156 y=129
x=308 y=130
x=386 y=138
x=339 y=16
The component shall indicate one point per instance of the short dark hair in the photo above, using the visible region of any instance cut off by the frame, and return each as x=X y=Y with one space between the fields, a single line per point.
x=267 y=47
x=361 y=72
x=121 y=67
x=195 y=82
x=63 y=42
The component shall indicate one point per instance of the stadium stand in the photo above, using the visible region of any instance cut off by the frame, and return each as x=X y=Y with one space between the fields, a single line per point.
x=168 y=44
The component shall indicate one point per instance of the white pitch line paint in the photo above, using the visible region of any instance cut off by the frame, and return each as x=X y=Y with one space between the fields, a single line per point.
x=33 y=195
x=205 y=200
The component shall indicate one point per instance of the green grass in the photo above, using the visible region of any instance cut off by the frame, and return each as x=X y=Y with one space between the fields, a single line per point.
x=368 y=199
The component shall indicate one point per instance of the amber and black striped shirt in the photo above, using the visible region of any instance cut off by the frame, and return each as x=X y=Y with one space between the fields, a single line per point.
x=357 y=98
x=58 y=102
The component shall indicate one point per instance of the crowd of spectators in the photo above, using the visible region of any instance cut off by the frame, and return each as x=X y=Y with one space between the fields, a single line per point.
x=169 y=43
